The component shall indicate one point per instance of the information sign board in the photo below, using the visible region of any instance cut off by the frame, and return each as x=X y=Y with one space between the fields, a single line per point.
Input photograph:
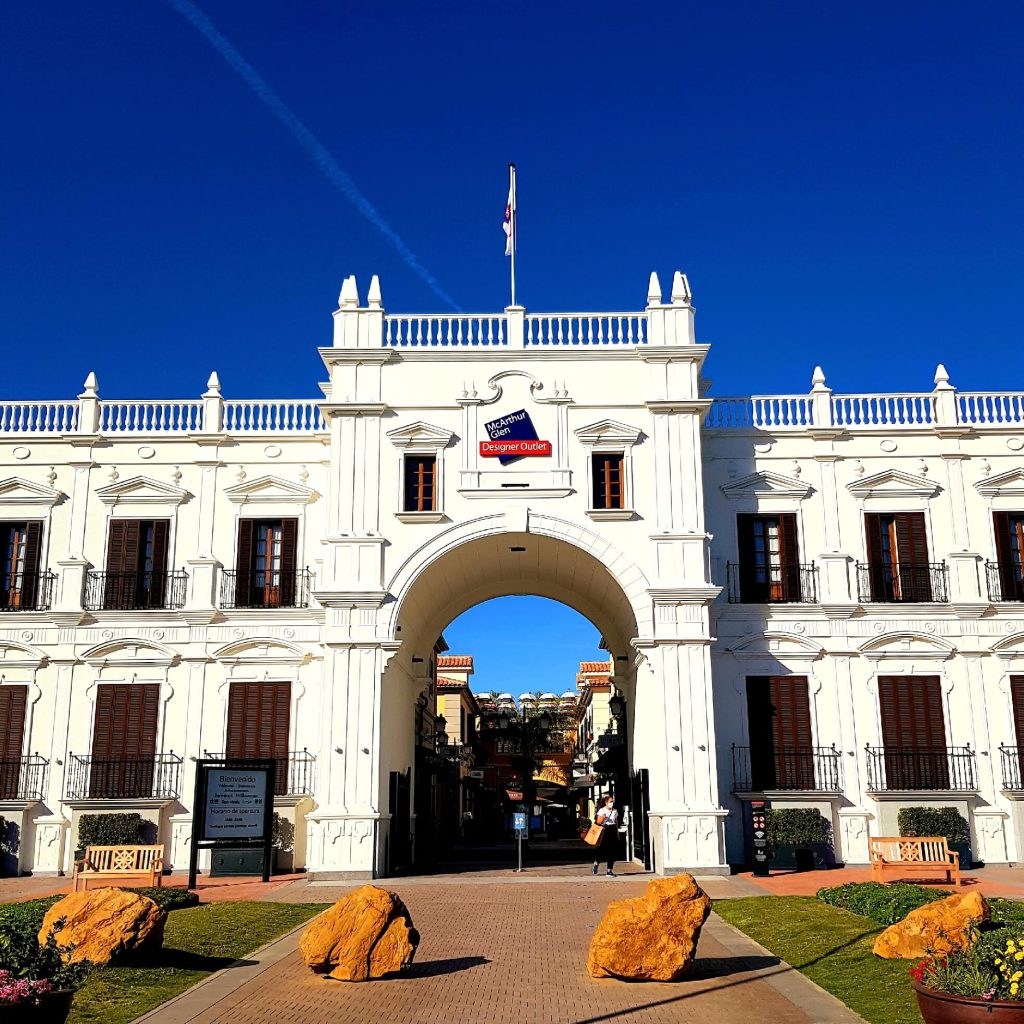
x=519 y=822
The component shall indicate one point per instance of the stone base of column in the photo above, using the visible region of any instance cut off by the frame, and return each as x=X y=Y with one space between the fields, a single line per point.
x=343 y=845
x=691 y=837
x=853 y=835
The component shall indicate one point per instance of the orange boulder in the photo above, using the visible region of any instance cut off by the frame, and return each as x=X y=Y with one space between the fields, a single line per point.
x=653 y=937
x=366 y=934
x=938 y=927
x=105 y=925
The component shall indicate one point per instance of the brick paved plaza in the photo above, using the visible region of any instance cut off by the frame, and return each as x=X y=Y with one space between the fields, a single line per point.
x=497 y=948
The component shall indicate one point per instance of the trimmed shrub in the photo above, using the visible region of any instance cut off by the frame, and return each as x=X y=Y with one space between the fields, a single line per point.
x=933 y=821
x=798 y=826
x=111 y=830
x=883 y=903
x=169 y=899
x=27 y=914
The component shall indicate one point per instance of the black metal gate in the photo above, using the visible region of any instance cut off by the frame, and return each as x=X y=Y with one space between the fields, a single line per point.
x=639 y=806
x=400 y=832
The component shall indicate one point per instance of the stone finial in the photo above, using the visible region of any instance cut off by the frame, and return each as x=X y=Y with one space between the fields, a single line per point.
x=818 y=377
x=349 y=297
x=373 y=299
x=212 y=385
x=91 y=387
x=680 y=289
x=941 y=378
x=654 y=290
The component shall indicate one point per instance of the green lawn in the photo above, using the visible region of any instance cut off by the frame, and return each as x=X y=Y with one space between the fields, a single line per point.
x=197 y=942
x=833 y=948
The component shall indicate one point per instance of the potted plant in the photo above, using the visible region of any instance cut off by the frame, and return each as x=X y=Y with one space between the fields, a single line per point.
x=283 y=839
x=984 y=984
x=37 y=981
x=800 y=838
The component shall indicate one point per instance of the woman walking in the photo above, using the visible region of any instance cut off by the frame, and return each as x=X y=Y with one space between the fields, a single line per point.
x=608 y=819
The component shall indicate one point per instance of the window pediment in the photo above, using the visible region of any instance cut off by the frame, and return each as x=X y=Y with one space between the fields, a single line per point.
x=893 y=483
x=609 y=432
x=15 y=490
x=141 y=490
x=766 y=484
x=421 y=435
x=269 y=490
x=1005 y=485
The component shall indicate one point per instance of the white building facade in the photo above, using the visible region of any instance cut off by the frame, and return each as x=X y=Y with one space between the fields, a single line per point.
x=815 y=597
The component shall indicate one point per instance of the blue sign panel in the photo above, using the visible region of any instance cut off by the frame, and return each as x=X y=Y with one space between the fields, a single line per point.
x=519 y=822
x=515 y=426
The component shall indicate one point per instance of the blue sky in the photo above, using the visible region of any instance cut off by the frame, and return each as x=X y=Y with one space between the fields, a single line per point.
x=842 y=185
x=556 y=639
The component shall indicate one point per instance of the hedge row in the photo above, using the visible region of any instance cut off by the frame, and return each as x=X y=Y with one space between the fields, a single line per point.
x=33 y=911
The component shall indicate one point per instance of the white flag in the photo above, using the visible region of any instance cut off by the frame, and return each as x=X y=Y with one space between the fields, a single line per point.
x=510 y=212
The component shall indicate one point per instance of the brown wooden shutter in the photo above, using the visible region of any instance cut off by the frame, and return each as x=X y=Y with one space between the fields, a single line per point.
x=123 y=546
x=912 y=555
x=873 y=533
x=781 y=744
x=13 y=700
x=244 y=563
x=30 y=579
x=1009 y=572
x=161 y=531
x=789 y=551
x=258 y=724
x=124 y=740
x=1017 y=696
x=913 y=732
x=289 y=553
x=745 y=549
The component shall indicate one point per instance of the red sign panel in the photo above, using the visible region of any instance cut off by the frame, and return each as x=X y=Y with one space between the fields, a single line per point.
x=496 y=449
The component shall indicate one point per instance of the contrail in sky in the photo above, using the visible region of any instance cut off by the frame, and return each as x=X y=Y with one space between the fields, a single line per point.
x=307 y=140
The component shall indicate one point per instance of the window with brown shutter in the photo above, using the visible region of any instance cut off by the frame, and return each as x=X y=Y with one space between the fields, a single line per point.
x=781 y=745
x=1009 y=531
x=913 y=732
x=136 y=575
x=1017 y=702
x=420 y=483
x=898 y=565
x=769 y=558
x=19 y=565
x=266 y=563
x=258 y=725
x=609 y=481
x=13 y=701
x=124 y=740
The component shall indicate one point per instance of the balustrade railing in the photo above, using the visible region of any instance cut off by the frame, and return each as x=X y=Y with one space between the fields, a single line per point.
x=585 y=329
x=756 y=770
x=294 y=774
x=90 y=778
x=1005 y=581
x=1012 y=761
x=135 y=591
x=38 y=417
x=770 y=412
x=264 y=588
x=171 y=417
x=983 y=407
x=916 y=768
x=891 y=411
x=445 y=331
x=26 y=591
x=885 y=583
x=787 y=583
x=24 y=778
x=273 y=416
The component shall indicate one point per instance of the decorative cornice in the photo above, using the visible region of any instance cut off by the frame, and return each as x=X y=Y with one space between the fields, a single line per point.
x=141 y=490
x=766 y=484
x=893 y=483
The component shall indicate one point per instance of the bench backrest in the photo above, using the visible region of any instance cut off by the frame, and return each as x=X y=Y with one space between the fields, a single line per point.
x=910 y=849
x=123 y=858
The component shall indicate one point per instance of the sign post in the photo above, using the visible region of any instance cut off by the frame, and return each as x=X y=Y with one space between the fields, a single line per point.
x=759 y=829
x=234 y=806
x=520 y=826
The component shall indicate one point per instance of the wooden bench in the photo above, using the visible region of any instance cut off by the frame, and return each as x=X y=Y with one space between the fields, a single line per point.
x=119 y=865
x=903 y=854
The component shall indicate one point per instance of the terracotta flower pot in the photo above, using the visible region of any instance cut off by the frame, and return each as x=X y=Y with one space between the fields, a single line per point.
x=943 y=1008
x=54 y=1009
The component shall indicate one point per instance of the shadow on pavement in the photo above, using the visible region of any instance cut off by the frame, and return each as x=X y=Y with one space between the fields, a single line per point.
x=437 y=968
x=723 y=966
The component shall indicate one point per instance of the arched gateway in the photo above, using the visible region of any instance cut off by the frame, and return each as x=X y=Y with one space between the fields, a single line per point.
x=476 y=457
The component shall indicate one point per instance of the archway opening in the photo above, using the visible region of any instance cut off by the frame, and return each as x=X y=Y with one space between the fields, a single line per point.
x=510 y=695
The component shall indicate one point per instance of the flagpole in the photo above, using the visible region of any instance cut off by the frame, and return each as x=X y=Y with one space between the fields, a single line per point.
x=512 y=225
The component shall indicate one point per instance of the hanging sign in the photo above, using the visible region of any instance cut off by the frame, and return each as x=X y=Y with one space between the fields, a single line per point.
x=512 y=437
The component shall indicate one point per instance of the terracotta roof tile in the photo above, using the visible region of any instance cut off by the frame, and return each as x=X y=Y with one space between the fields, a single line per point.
x=587 y=667
x=454 y=661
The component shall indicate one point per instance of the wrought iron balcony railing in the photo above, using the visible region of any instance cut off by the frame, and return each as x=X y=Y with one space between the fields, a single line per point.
x=90 y=778
x=907 y=768
x=756 y=770
x=27 y=591
x=1012 y=762
x=135 y=591
x=788 y=583
x=295 y=773
x=1005 y=581
x=265 y=589
x=24 y=778
x=906 y=582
